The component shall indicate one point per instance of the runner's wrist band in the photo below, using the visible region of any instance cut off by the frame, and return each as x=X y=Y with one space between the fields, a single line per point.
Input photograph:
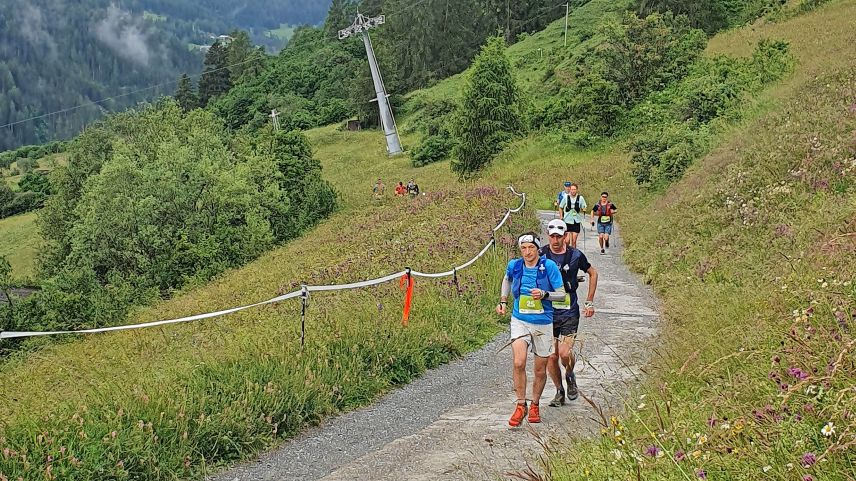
x=588 y=305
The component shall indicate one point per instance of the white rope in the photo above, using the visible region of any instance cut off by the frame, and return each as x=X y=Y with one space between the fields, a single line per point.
x=356 y=285
x=14 y=334
x=290 y=295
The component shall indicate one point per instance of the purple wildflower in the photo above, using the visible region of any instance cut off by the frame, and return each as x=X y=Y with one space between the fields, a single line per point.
x=680 y=455
x=808 y=477
x=798 y=373
x=652 y=451
x=808 y=459
x=701 y=474
x=711 y=421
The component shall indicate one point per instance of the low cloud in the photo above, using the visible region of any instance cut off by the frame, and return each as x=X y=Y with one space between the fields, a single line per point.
x=124 y=35
x=33 y=29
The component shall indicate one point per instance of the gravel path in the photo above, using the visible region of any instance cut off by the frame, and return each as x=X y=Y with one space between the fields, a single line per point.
x=451 y=422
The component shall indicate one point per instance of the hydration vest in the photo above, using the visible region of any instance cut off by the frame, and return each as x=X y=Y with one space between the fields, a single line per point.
x=541 y=280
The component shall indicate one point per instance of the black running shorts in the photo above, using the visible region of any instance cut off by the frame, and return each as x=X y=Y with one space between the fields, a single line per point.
x=573 y=227
x=565 y=326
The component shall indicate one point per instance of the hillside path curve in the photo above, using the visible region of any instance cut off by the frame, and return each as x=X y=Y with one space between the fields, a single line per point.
x=450 y=423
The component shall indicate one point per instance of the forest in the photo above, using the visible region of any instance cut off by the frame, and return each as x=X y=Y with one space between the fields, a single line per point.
x=57 y=55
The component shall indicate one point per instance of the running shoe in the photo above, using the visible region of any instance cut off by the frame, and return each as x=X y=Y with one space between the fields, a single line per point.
x=520 y=412
x=602 y=251
x=534 y=413
x=571 y=379
x=558 y=399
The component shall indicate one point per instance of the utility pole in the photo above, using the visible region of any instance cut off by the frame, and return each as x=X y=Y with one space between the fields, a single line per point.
x=361 y=25
x=567 y=12
x=275 y=116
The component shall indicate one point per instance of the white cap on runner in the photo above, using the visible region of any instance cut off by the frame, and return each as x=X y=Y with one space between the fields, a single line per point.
x=556 y=226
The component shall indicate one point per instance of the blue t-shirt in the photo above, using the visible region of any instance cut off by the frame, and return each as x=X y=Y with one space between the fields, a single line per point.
x=529 y=282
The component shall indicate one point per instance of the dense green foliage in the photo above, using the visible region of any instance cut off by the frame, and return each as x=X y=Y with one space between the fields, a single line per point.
x=8 y=157
x=153 y=199
x=57 y=54
x=712 y=15
x=309 y=82
x=490 y=114
x=673 y=125
x=633 y=58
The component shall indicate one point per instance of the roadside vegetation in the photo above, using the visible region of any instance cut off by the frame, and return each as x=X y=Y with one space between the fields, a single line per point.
x=741 y=148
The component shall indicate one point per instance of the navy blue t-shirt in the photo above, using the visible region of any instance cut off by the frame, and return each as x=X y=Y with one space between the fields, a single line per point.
x=569 y=265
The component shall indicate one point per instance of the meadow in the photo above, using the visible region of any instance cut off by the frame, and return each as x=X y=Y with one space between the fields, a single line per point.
x=751 y=254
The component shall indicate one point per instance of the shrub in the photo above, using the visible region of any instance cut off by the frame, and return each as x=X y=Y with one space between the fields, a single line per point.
x=433 y=148
x=592 y=104
x=661 y=156
x=155 y=199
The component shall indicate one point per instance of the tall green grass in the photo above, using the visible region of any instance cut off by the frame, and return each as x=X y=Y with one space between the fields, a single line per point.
x=174 y=402
x=753 y=255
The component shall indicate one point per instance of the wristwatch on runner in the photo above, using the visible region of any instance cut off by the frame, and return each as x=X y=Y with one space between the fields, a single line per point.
x=588 y=305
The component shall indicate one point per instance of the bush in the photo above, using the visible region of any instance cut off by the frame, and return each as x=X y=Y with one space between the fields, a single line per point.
x=592 y=104
x=432 y=149
x=35 y=182
x=155 y=199
x=661 y=156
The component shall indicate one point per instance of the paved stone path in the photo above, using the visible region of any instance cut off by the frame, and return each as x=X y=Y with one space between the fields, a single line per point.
x=451 y=422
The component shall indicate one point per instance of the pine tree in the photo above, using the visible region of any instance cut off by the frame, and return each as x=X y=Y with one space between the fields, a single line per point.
x=216 y=77
x=490 y=112
x=185 y=95
x=238 y=52
x=339 y=16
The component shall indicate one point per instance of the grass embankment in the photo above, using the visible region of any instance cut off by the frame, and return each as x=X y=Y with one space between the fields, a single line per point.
x=171 y=402
x=167 y=402
x=753 y=254
x=19 y=242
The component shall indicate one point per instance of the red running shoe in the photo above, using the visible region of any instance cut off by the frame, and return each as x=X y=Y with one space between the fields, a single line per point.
x=534 y=413
x=519 y=413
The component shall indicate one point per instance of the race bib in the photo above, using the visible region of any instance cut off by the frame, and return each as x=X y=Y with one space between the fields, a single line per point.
x=605 y=219
x=565 y=304
x=528 y=305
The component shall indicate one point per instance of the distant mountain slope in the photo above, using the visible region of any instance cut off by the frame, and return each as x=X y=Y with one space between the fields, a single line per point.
x=57 y=54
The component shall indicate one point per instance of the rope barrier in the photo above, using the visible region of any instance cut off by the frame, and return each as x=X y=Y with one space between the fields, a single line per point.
x=303 y=293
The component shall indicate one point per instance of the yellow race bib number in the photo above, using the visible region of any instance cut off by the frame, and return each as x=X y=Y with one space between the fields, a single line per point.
x=528 y=305
x=565 y=304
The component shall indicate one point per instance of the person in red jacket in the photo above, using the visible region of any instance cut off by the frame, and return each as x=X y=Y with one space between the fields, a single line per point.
x=604 y=211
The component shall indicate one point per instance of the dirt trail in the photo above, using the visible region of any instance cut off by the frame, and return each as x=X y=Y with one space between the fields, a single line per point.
x=451 y=422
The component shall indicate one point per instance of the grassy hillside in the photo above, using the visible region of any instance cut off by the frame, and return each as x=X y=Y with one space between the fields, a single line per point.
x=755 y=271
x=748 y=292
x=19 y=240
x=244 y=379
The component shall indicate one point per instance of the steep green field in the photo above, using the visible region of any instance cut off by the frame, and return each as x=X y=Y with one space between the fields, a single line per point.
x=19 y=241
x=752 y=254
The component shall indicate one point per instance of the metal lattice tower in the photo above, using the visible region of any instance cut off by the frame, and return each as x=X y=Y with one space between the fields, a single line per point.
x=361 y=25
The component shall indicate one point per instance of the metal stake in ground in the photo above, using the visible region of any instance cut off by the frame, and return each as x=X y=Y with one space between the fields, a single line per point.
x=304 y=300
x=361 y=25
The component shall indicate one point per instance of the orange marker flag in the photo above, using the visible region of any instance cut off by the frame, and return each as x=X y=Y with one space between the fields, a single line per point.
x=408 y=296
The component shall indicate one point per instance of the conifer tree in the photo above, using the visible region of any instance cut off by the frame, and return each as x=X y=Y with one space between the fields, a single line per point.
x=490 y=112
x=216 y=77
x=185 y=94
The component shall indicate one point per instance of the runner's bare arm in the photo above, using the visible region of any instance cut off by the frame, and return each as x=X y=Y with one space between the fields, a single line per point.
x=592 y=287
